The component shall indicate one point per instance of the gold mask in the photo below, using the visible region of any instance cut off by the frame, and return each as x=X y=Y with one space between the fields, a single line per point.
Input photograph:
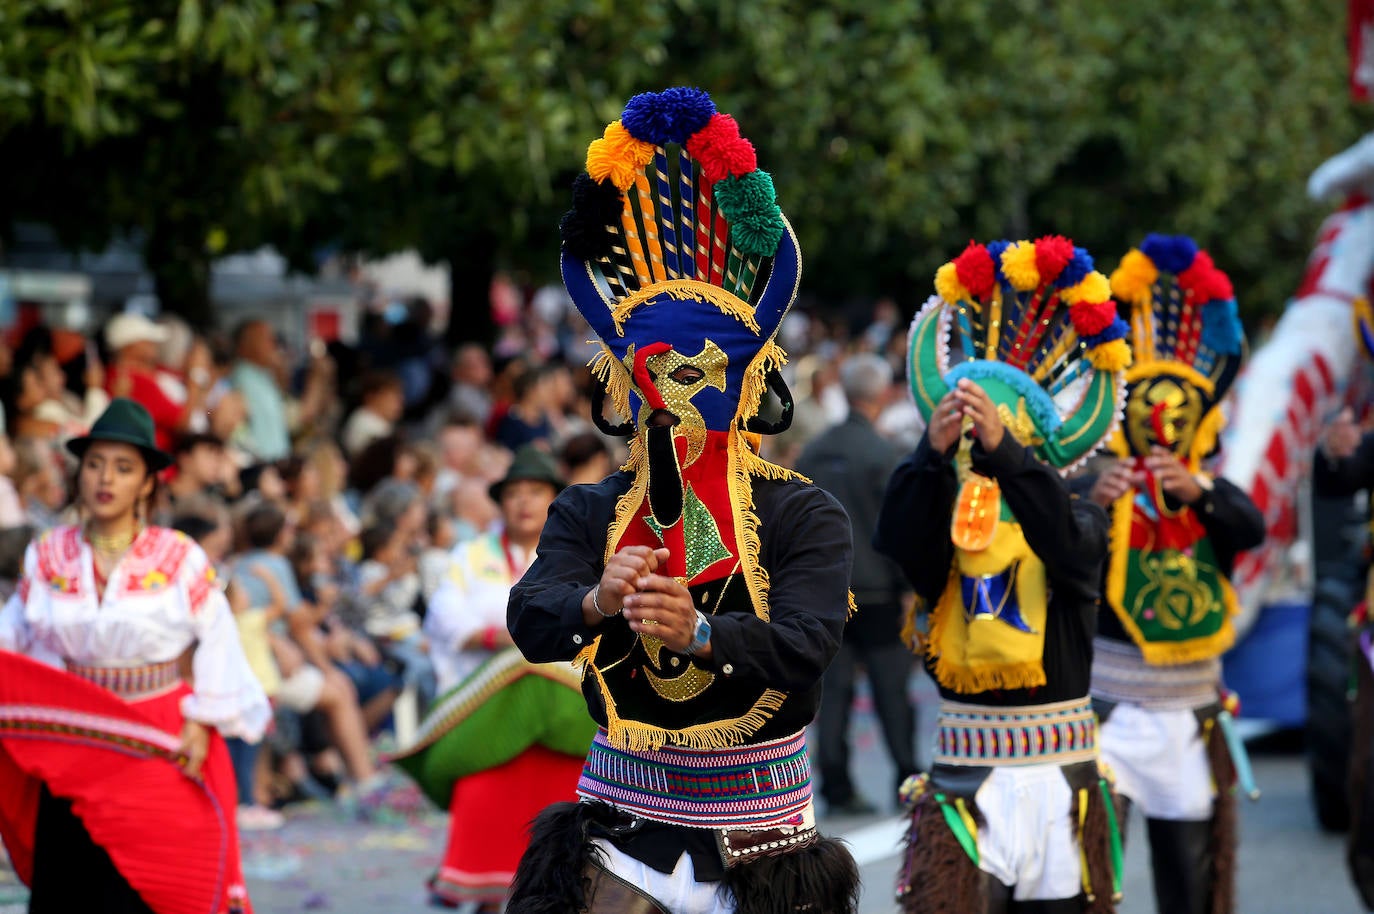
x=679 y=378
x=1180 y=409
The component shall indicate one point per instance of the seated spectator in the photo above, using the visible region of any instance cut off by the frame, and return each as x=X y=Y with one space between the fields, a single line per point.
x=201 y=468
x=71 y=415
x=527 y=420
x=384 y=458
x=474 y=513
x=309 y=679
x=134 y=340
x=383 y=403
x=377 y=681
x=470 y=395
x=388 y=593
x=257 y=375
x=39 y=478
x=434 y=559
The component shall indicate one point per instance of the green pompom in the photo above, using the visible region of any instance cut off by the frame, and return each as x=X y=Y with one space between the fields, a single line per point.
x=750 y=205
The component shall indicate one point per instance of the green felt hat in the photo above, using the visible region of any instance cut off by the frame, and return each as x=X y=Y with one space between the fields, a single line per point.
x=126 y=422
x=529 y=463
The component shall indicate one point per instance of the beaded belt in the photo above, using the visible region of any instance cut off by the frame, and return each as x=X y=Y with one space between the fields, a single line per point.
x=133 y=682
x=1121 y=675
x=756 y=786
x=1058 y=734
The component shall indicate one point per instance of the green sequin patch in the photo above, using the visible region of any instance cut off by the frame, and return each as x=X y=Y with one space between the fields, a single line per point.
x=702 y=536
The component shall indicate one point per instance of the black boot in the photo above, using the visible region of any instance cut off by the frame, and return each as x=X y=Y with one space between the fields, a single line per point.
x=1181 y=860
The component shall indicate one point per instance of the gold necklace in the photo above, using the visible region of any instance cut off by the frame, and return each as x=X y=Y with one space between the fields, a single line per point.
x=110 y=545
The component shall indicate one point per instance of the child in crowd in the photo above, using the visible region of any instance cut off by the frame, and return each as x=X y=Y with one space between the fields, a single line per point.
x=388 y=590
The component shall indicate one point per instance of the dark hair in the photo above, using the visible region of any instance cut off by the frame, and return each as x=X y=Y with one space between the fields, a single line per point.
x=581 y=449
x=526 y=382
x=375 y=538
x=263 y=524
x=188 y=442
x=374 y=463
x=301 y=554
x=375 y=382
x=196 y=526
x=13 y=542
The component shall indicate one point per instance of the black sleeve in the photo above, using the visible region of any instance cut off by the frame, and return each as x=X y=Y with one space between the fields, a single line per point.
x=1067 y=533
x=1347 y=475
x=808 y=598
x=1234 y=522
x=913 y=525
x=544 y=613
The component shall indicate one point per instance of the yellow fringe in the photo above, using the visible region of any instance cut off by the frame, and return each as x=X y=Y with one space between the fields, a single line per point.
x=636 y=736
x=1082 y=846
x=981 y=679
x=685 y=290
x=755 y=382
x=853 y=607
x=1205 y=438
x=746 y=522
x=603 y=365
x=1159 y=653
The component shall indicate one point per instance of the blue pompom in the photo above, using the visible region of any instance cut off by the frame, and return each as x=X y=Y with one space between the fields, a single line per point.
x=670 y=116
x=1170 y=253
x=1116 y=330
x=1075 y=270
x=995 y=249
x=1221 y=330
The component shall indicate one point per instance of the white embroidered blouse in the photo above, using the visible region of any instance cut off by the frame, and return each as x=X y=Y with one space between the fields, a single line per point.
x=159 y=599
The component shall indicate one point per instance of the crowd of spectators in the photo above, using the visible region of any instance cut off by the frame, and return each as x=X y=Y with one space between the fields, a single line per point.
x=330 y=483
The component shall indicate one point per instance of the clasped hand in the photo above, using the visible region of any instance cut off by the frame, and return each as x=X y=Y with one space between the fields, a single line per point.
x=969 y=400
x=653 y=604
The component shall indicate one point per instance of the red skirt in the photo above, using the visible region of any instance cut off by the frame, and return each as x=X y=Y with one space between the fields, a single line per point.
x=489 y=817
x=171 y=837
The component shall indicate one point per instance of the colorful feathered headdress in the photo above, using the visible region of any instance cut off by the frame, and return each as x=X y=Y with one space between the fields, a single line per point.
x=1188 y=342
x=1034 y=324
x=676 y=251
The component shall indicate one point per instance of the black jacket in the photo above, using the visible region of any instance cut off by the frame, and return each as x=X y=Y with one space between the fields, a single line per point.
x=805 y=547
x=1067 y=533
x=852 y=462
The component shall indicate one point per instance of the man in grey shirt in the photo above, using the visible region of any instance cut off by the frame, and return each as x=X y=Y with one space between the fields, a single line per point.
x=852 y=462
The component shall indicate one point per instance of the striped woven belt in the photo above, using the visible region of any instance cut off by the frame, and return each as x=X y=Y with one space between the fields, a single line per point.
x=133 y=682
x=756 y=786
x=1059 y=734
x=1121 y=675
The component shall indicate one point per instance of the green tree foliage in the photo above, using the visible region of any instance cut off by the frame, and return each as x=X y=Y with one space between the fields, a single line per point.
x=895 y=131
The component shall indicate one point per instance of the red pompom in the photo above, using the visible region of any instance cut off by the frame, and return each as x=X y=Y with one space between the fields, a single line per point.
x=1205 y=281
x=975 y=270
x=1052 y=254
x=1091 y=318
x=721 y=150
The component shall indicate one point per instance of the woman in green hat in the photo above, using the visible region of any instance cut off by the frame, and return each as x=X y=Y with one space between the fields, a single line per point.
x=116 y=791
x=506 y=737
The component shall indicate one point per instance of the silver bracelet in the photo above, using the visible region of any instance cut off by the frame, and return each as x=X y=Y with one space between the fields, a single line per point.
x=596 y=603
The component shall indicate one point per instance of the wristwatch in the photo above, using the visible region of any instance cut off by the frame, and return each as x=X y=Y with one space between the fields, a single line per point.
x=701 y=635
x=1207 y=486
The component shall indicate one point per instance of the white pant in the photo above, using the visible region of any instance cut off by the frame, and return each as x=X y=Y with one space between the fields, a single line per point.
x=1029 y=840
x=1159 y=761
x=678 y=891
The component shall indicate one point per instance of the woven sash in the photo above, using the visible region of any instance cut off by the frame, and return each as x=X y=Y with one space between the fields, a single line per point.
x=131 y=683
x=754 y=786
x=1059 y=734
x=1121 y=676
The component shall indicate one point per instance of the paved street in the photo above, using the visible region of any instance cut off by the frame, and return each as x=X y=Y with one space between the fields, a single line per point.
x=321 y=862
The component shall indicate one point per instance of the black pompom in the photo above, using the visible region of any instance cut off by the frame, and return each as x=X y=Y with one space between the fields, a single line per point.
x=583 y=228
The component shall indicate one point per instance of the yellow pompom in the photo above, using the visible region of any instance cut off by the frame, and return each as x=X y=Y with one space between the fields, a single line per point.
x=1113 y=356
x=948 y=286
x=1018 y=265
x=636 y=152
x=1132 y=280
x=617 y=156
x=1093 y=289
